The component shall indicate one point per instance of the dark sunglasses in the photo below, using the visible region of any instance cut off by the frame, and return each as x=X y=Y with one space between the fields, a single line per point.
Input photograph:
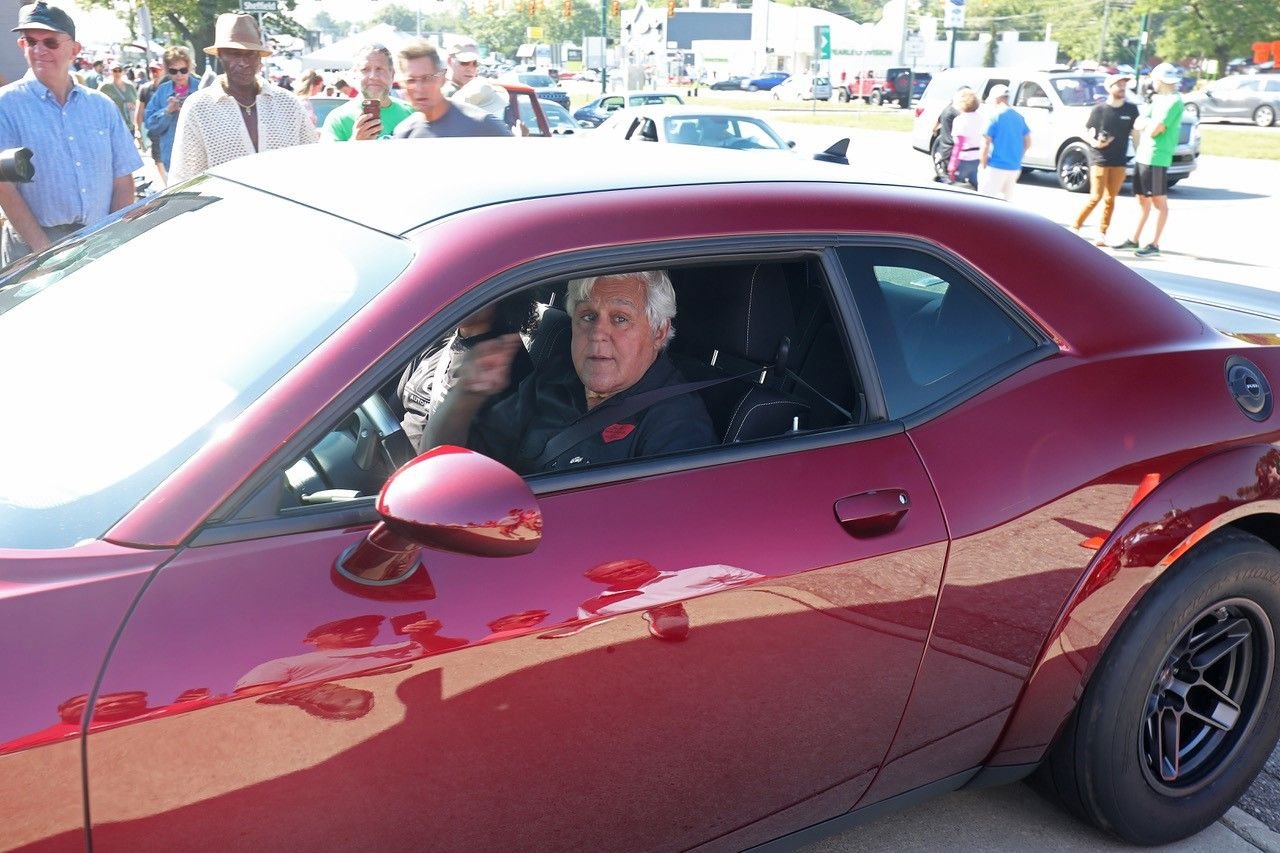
x=50 y=42
x=179 y=70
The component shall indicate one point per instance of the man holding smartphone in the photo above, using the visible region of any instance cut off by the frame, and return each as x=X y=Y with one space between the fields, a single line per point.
x=1110 y=125
x=375 y=114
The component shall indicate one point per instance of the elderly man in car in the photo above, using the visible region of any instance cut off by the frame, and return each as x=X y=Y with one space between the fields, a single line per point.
x=608 y=401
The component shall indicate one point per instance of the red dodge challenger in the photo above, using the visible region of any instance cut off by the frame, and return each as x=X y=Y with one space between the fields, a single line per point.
x=953 y=499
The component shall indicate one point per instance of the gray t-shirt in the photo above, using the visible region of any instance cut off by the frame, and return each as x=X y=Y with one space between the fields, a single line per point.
x=460 y=120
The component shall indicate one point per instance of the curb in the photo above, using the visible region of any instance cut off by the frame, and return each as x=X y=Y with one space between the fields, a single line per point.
x=1251 y=829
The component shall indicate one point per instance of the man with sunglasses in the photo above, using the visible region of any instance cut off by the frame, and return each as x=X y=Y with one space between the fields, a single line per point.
x=166 y=102
x=464 y=66
x=82 y=152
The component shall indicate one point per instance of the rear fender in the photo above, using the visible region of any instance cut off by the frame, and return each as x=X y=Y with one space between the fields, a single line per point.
x=1170 y=519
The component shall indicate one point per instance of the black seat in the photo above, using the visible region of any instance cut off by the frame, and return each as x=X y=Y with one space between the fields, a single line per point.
x=732 y=321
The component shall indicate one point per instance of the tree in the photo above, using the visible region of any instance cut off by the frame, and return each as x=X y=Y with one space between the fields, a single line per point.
x=1224 y=31
x=192 y=22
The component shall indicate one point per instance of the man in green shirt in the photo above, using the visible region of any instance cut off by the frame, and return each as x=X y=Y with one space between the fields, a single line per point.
x=1158 y=123
x=350 y=122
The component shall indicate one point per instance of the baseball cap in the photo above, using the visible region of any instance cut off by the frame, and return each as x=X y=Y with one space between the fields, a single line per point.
x=1166 y=73
x=42 y=16
x=464 y=52
x=1112 y=79
x=997 y=91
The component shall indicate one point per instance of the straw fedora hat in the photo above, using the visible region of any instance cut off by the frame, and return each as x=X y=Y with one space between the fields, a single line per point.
x=237 y=32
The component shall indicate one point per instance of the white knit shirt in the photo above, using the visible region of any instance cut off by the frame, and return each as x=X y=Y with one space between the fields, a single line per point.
x=211 y=128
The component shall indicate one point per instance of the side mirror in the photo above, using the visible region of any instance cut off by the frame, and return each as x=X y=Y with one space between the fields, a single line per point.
x=449 y=499
x=791 y=143
x=1040 y=102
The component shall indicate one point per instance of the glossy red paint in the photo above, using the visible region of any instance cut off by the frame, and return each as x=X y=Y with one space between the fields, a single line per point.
x=578 y=673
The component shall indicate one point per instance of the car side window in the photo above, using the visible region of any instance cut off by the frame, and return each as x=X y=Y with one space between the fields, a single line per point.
x=1026 y=92
x=1273 y=85
x=932 y=329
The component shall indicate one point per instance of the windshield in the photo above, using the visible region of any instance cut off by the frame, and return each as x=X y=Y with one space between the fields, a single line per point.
x=1081 y=91
x=653 y=100
x=537 y=81
x=127 y=348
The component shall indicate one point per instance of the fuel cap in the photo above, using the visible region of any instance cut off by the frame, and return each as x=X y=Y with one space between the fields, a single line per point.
x=1249 y=388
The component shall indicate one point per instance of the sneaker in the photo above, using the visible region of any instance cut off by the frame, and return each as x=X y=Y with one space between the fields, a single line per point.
x=1148 y=251
x=1127 y=244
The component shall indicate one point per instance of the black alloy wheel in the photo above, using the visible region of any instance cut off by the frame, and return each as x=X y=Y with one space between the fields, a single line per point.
x=1073 y=168
x=1181 y=713
x=1203 y=695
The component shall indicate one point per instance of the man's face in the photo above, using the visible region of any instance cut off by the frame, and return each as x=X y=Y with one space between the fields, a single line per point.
x=613 y=344
x=241 y=66
x=49 y=54
x=462 y=73
x=422 y=81
x=1118 y=88
x=375 y=76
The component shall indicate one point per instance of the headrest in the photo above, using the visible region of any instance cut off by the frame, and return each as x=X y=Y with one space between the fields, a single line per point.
x=743 y=311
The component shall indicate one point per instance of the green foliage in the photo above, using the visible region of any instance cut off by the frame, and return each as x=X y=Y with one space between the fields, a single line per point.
x=191 y=22
x=1211 y=28
x=504 y=32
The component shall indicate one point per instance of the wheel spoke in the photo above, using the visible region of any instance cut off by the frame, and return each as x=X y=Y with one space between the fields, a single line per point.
x=1225 y=712
x=1167 y=727
x=1218 y=643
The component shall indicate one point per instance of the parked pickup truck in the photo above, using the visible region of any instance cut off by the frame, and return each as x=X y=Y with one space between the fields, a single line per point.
x=900 y=85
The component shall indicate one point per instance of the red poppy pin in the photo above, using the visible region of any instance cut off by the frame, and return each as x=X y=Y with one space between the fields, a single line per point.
x=616 y=432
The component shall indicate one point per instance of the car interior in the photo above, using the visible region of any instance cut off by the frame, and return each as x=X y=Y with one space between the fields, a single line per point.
x=764 y=343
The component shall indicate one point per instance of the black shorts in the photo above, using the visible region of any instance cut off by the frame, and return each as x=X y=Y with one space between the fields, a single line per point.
x=155 y=148
x=1150 y=180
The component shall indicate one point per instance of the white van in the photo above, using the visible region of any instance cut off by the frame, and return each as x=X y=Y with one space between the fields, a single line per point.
x=1056 y=105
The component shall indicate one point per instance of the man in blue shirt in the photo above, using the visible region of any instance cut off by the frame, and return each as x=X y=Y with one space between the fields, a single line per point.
x=1006 y=140
x=82 y=152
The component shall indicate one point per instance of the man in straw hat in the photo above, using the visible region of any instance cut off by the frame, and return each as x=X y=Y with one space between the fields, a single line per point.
x=83 y=153
x=240 y=113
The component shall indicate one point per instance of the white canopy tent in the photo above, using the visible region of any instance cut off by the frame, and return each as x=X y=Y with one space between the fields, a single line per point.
x=338 y=56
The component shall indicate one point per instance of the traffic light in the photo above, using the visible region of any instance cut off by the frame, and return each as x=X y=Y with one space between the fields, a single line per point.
x=568 y=8
x=615 y=8
x=671 y=8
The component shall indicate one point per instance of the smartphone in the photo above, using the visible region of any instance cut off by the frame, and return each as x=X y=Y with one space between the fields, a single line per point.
x=398 y=623
x=371 y=107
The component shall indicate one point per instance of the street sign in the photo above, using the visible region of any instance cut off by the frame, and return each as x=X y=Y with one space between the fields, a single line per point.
x=822 y=41
x=533 y=33
x=259 y=6
x=953 y=14
x=915 y=46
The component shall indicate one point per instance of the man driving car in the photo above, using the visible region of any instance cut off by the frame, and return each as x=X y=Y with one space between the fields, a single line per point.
x=620 y=325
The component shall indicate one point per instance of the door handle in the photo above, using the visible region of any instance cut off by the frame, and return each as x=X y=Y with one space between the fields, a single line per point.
x=872 y=513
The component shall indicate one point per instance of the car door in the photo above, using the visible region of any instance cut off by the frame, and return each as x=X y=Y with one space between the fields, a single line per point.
x=531 y=702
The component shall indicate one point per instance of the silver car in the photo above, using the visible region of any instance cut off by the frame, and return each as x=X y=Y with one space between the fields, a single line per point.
x=1242 y=97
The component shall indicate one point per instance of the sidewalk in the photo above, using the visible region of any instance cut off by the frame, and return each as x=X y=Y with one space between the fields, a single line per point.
x=1015 y=818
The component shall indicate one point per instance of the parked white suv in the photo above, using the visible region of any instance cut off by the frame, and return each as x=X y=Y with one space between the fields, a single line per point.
x=1056 y=105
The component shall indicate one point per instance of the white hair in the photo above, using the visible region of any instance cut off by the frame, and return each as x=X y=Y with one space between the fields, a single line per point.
x=660 y=301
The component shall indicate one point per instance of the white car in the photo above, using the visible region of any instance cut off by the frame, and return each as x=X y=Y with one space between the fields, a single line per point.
x=709 y=128
x=1056 y=105
x=802 y=87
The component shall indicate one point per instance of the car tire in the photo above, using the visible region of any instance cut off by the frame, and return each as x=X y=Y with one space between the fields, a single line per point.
x=1191 y=110
x=842 y=95
x=1073 y=168
x=1142 y=756
x=1264 y=116
x=874 y=98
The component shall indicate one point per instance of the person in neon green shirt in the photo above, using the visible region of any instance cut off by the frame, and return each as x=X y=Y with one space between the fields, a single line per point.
x=1158 y=124
x=348 y=122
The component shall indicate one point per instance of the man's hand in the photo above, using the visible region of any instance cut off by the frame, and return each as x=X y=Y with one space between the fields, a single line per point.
x=367 y=127
x=486 y=367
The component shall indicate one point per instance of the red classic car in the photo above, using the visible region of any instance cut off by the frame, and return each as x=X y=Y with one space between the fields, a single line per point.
x=972 y=508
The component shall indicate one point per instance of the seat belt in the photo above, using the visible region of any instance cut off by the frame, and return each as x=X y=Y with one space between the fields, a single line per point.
x=600 y=417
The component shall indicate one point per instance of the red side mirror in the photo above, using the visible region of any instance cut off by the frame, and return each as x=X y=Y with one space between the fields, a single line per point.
x=450 y=499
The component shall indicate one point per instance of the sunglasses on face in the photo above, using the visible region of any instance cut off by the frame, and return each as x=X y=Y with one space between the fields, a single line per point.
x=50 y=42
x=182 y=70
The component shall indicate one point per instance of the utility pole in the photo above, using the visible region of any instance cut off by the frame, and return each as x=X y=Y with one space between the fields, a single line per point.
x=604 y=47
x=1142 y=42
x=1102 y=42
